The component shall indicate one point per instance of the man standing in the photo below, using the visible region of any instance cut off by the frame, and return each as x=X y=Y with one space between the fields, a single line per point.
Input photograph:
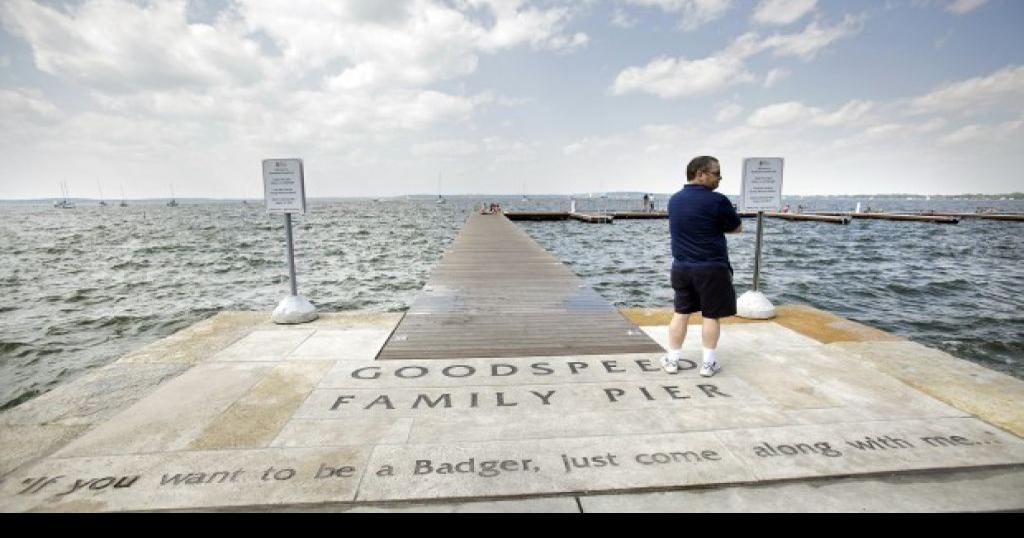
x=701 y=272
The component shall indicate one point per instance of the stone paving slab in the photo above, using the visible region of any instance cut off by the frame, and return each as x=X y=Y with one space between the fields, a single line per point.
x=977 y=390
x=342 y=432
x=348 y=344
x=985 y=490
x=808 y=451
x=838 y=379
x=611 y=463
x=201 y=479
x=172 y=416
x=196 y=343
x=503 y=372
x=548 y=505
x=264 y=345
x=467 y=470
x=852 y=414
x=20 y=445
x=94 y=397
x=455 y=429
x=679 y=394
x=743 y=339
x=258 y=416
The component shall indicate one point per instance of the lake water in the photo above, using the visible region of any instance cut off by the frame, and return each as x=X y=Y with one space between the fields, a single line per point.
x=81 y=287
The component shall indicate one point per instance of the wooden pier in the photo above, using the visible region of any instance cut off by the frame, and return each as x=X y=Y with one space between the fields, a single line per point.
x=497 y=293
x=593 y=218
x=820 y=216
x=608 y=218
x=1010 y=217
x=834 y=219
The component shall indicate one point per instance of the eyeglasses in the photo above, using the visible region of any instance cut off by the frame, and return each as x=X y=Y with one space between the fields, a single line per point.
x=718 y=173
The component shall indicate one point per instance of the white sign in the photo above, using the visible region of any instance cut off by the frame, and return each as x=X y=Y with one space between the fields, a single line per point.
x=762 y=184
x=283 y=187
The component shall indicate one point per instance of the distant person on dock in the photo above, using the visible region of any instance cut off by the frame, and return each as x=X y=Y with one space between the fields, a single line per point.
x=647 y=200
x=701 y=274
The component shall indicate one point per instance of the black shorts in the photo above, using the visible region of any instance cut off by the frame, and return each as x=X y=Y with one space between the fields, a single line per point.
x=707 y=289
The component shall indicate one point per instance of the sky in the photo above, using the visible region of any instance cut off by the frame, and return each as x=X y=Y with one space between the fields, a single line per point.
x=385 y=98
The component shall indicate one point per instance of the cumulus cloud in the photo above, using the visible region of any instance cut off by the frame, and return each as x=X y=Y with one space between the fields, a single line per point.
x=593 y=145
x=679 y=77
x=774 y=77
x=26 y=104
x=976 y=133
x=622 y=19
x=510 y=151
x=959 y=7
x=693 y=13
x=271 y=72
x=445 y=149
x=120 y=46
x=814 y=38
x=728 y=112
x=671 y=78
x=1003 y=88
x=795 y=113
x=782 y=12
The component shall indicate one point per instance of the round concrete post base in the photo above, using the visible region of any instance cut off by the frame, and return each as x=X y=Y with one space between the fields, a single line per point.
x=294 y=309
x=754 y=305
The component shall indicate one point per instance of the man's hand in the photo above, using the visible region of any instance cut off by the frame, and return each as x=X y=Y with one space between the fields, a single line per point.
x=737 y=230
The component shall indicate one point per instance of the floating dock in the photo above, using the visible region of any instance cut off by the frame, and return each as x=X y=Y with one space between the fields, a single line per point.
x=938 y=219
x=593 y=218
x=830 y=217
x=1010 y=217
x=834 y=219
x=810 y=413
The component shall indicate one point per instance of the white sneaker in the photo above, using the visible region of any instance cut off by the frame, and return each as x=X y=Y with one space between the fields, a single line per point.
x=708 y=370
x=669 y=365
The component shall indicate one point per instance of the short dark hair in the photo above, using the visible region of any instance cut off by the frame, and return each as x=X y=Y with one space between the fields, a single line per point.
x=699 y=164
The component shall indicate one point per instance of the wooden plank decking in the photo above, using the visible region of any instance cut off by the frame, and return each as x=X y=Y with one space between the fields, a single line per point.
x=497 y=293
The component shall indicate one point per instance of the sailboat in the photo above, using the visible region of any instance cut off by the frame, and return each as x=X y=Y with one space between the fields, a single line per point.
x=64 y=203
x=124 y=201
x=524 y=190
x=103 y=203
x=440 y=199
x=173 y=202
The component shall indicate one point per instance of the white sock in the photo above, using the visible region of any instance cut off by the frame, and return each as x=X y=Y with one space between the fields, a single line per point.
x=709 y=356
x=675 y=354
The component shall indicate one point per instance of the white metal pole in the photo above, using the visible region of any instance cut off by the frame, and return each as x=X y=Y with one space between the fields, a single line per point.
x=291 y=253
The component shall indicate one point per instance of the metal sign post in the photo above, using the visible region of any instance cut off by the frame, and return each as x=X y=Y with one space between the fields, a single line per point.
x=285 y=193
x=762 y=191
x=757 y=248
x=291 y=253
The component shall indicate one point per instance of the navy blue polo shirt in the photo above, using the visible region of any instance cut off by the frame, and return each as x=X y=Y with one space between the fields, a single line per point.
x=698 y=219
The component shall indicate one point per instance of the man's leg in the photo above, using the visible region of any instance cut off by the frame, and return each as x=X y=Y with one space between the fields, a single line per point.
x=676 y=335
x=677 y=330
x=685 y=300
x=710 y=332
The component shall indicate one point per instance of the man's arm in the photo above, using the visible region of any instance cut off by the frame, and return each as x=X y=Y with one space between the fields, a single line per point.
x=729 y=219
